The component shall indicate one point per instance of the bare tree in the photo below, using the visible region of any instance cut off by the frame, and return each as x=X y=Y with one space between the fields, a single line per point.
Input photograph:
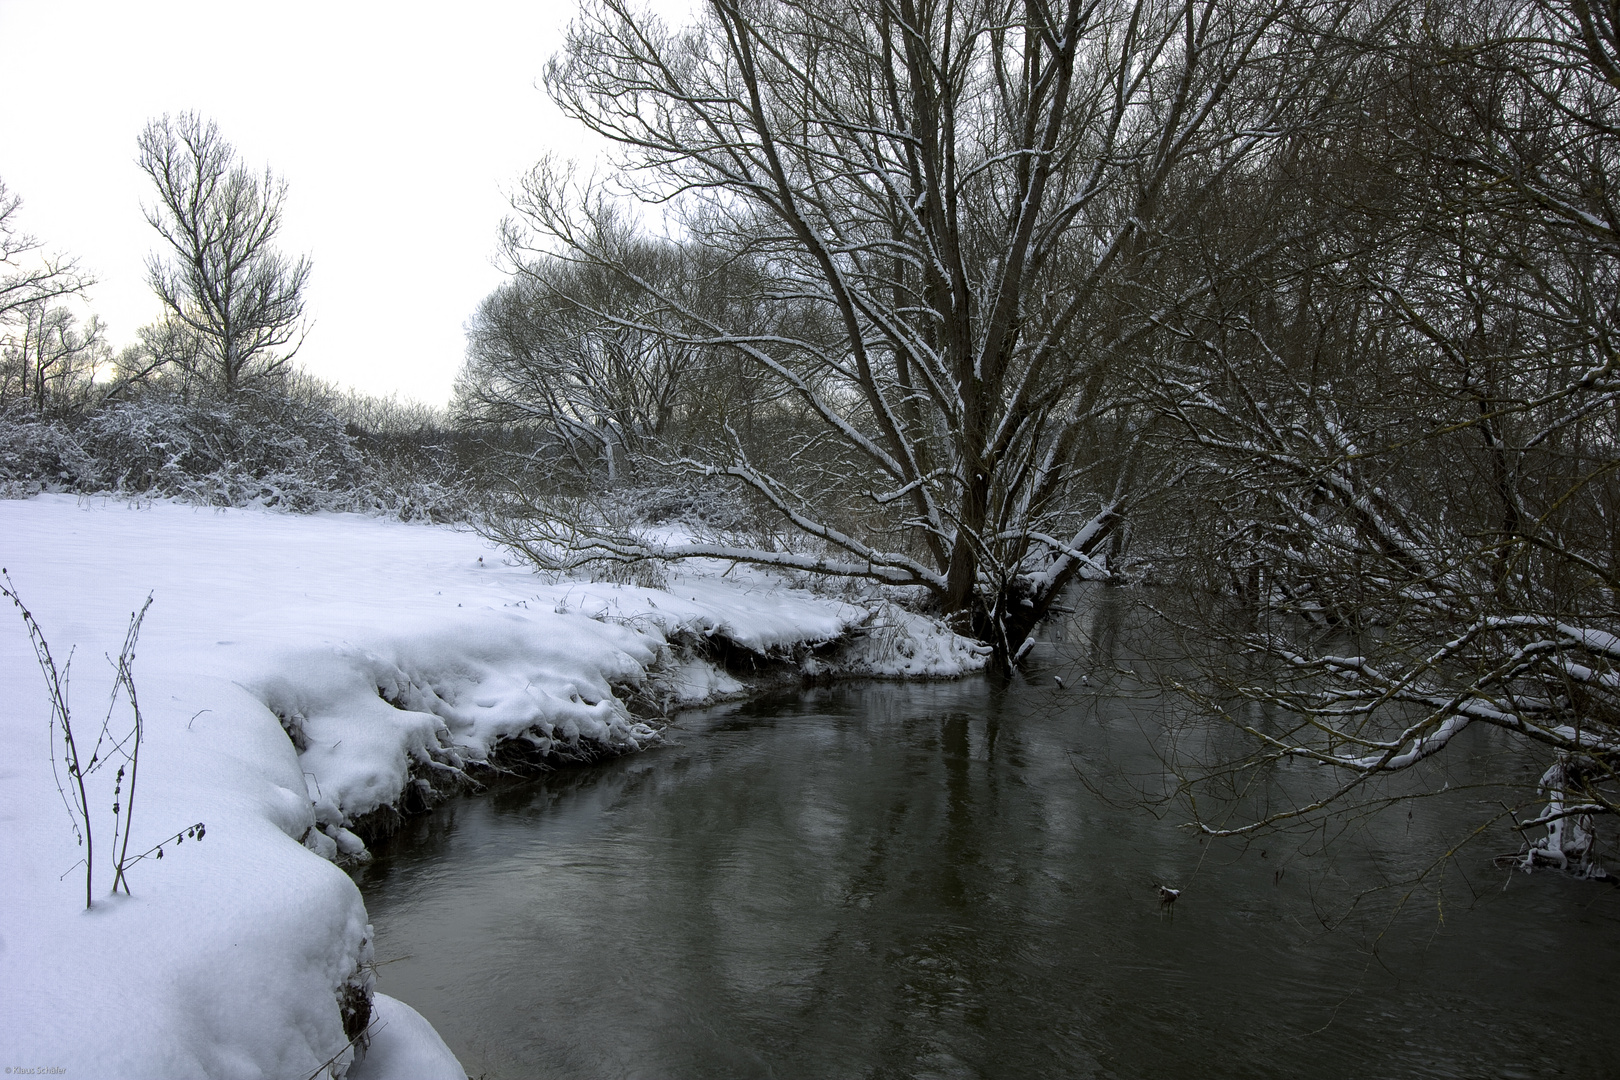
x=607 y=393
x=166 y=352
x=50 y=360
x=30 y=280
x=1404 y=430
x=223 y=279
x=944 y=209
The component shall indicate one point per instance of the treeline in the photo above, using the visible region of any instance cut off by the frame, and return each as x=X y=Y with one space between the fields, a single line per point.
x=1307 y=307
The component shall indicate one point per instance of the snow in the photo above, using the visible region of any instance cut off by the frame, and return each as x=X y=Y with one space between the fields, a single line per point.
x=405 y=1047
x=437 y=690
x=895 y=643
x=296 y=673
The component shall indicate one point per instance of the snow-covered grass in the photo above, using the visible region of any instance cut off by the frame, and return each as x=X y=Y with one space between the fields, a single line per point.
x=296 y=674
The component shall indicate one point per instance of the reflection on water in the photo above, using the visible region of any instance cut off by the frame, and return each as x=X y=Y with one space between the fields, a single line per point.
x=912 y=881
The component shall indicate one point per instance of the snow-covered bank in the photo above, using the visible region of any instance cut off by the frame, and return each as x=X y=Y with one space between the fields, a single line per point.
x=297 y=674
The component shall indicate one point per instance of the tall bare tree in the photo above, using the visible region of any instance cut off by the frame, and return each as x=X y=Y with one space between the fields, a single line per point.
x=946 y=209
x=222 y=278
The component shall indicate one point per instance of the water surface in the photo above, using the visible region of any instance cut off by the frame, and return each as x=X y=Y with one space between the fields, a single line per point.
x=912 y=881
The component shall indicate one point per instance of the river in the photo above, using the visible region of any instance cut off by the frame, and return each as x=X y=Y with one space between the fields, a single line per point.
x=882 y=880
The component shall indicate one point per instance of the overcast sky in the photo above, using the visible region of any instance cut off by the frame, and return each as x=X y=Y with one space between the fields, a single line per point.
x=399 y=127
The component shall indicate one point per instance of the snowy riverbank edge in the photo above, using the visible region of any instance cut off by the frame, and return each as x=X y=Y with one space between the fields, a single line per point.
x=298 y=675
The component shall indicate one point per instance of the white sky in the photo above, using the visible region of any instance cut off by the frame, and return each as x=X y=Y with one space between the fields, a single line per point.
x=399 y=127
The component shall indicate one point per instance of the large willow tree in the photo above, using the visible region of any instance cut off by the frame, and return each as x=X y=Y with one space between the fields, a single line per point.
x=927 y=223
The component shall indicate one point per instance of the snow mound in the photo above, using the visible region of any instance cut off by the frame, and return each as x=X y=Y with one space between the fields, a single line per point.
x=404 y=1046
x=762 y=616
x=438 y=696
x=895 y=643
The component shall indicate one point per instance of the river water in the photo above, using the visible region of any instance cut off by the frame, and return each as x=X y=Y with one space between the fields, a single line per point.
x=913 y=881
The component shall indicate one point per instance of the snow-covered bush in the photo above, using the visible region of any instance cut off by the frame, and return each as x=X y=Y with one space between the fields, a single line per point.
x=279 y=450
x=36 y=453
x=684 y=500
x=248 y=449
